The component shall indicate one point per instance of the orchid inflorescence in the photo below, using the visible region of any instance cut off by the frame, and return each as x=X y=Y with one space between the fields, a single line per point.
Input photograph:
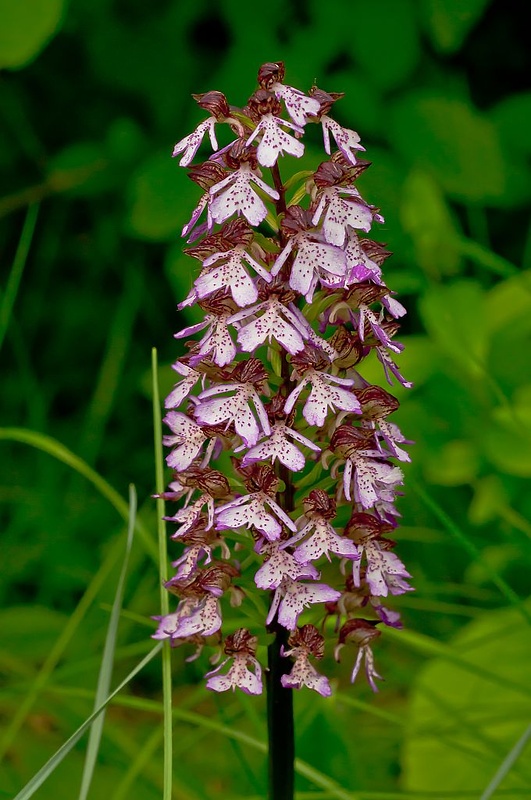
x=293 y=300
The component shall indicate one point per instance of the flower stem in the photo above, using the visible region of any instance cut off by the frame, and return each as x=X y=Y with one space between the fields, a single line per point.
x=280 y=723
x=280 y=726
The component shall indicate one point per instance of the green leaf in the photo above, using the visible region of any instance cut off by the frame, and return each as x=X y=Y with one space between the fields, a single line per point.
x=449 y=21
x=456 y=463
x=80 y=169
x=508 y=448
x=458 y=726
x=160 y=199
x=512 y=117
x=455 y=319
x=489 y=498
x=447 y=137
x=26 y=26
x=509 y=302
x=425 y=215
x=374 y=34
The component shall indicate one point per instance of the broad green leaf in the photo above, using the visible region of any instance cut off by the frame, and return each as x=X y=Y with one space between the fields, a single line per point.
x=26 y=26
x=80 y=169
x=475 y=554
x=458 y=727
x=512 y=117
x=497 y=558
x=417 y=363
x=508 y=302
x=454 y=317
x=449 y=21
x=425 y=215
x=374 y=32
x=508 y=448
x=517 y=414
x=489 y=498
x=455 y=464
x=448 y=138
x=161 y=199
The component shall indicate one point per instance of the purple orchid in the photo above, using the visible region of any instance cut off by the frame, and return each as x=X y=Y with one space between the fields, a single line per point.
x=270 y=402
x=245 y=671
x=306 y=642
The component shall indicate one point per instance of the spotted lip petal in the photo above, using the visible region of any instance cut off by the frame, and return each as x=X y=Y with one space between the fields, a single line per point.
x=240 y=675
x=235 y=195
x=275 y=141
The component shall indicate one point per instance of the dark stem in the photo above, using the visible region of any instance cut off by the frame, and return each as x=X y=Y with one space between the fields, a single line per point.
x=280 y=723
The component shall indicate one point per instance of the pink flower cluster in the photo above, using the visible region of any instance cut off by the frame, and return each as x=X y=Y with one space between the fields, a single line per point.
x=294 y=301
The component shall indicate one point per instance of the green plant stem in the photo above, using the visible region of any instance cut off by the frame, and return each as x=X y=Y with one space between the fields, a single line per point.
x=163 y=567
x=280 y=722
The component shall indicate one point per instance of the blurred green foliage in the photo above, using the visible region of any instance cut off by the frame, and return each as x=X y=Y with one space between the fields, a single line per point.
x=93 y=94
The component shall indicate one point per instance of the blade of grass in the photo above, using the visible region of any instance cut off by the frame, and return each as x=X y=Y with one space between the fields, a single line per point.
x=471 y=549
x=483 y=256
x=432 y=648
x=119 y=338
x=122 y=740
x=90 y=665
x=19 y=262
x=381 y=713
x=238 y=751
x=142 y=760
x=163 y=571
x=54 y=448
x=59 y=647
x=229 y=731
x=507 y=763
x=107 y=662
x=38 y=779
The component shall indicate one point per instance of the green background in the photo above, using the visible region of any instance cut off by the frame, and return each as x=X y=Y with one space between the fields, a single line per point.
x=93 y=95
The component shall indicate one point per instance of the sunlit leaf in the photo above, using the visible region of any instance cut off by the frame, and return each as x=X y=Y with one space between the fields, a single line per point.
x=447 y=137
x=374 y=31
x=449 y=21
x=508 y=447
x=80 y=169
x=458 y=727
x=426 y=216
x=160 y=199
x=26 y=26
x=509 y=302
x=454 y=317
x=489 y=498
x=512 y=117
x=453 y=465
